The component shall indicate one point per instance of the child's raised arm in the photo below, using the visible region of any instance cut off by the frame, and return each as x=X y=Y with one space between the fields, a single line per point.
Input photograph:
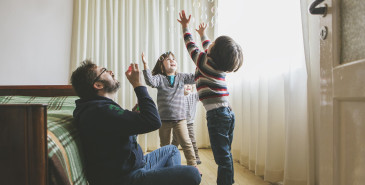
x=193 y=50
x=145 y=65
x=201 y=29
x=204 y=39
x=153 y=81
x=183 y=20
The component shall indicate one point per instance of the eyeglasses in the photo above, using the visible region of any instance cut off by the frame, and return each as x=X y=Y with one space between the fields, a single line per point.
x=166 y=54
x=97 y=78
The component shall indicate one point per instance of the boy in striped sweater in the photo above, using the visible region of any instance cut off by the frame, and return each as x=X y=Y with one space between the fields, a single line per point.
x=222 y=56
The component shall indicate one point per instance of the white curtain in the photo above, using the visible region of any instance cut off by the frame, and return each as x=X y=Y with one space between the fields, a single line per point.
x=113 y=33
x=269 y=93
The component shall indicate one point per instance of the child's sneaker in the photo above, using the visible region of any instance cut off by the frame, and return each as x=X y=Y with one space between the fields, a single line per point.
x=198 y=162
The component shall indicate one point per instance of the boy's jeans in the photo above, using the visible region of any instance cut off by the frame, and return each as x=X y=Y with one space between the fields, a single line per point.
x=163 y=167
x=220 y=127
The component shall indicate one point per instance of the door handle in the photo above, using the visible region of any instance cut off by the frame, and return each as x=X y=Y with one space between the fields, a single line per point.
x=314 y=10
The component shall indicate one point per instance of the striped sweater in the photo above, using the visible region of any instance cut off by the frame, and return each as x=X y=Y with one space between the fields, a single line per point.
x=170 y=99
x=210 y=83
x=190 y=105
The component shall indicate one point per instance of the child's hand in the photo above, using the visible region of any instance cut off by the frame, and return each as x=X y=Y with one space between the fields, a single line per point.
x=183 y=20
x=201 y=29
x=144 y=59
x=145 y=65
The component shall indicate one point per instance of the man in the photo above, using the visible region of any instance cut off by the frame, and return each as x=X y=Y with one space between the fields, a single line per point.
x=108 y=133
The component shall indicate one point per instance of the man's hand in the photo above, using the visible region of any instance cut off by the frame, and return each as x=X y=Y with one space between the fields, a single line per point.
x=145 y=65
x=183 y=20
x=133 y=75
x=201 y=29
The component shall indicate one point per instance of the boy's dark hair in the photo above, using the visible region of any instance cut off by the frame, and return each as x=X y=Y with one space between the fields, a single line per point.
x=226 y=54
x=82 y=79
x=159 y=68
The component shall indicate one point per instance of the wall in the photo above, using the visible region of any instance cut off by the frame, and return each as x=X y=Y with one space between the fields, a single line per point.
x=314 y=94
x=35 y=42
x=312 y=27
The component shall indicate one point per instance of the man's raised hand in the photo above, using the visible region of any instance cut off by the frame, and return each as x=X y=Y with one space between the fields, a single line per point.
x=133 y=75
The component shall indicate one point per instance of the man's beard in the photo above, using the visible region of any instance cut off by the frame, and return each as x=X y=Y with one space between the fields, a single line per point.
x=111 y=87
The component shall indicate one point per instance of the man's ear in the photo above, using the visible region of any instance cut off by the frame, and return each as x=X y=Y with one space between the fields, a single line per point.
x=98 y=85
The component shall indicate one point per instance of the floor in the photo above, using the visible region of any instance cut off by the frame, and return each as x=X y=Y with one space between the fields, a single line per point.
x=209 y=169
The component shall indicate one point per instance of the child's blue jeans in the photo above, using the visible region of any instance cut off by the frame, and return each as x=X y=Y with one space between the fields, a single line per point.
x=220 y=127
x=163 y=167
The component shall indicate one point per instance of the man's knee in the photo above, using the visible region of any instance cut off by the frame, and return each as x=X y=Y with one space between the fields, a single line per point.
x=171 y=148
x=192 y=175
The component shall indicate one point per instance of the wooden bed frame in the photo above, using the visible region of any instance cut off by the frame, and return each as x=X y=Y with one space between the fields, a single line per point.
x=23 y=135
x=37 y=90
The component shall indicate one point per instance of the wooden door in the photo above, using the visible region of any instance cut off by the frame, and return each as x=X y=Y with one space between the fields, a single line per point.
x=342 y=94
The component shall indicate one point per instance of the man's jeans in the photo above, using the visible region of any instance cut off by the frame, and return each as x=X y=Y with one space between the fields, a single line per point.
x=220 y=127
x=163 y=167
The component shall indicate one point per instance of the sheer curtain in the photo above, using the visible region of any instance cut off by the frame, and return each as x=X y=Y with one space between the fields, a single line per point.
x=113 y=33
x=269 y=93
